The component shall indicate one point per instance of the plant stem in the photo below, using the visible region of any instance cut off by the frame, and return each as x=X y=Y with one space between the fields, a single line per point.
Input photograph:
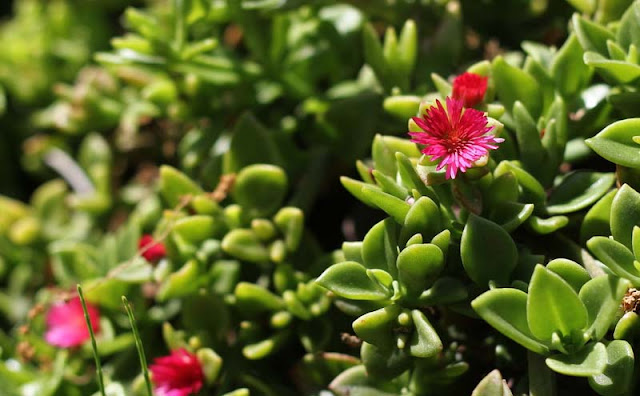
x=94 y=345
x=542 y=381
x=136 y=336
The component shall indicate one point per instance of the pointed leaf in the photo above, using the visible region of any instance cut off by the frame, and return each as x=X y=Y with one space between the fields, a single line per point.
x=553 y=306
x=350 y=280
x=506 y=310
x=590 y=360
x=602 y=296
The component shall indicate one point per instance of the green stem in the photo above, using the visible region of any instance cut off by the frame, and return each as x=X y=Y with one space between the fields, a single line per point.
x=136 y=336
x=542 y=381
x=94 y=345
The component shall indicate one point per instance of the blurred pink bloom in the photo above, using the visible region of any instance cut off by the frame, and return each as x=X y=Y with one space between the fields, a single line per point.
x=151 y=249
x=179 y=374
x=470 y=88
x=457 y=137
x=66 y=326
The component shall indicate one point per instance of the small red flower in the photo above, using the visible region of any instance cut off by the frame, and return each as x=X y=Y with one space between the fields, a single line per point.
x=457 y=137
x=151 y=249
x=470 y=88
x=179 y=374
x=66 y=326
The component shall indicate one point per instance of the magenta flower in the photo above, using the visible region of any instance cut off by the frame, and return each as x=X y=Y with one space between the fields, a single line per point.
x=179 y=374
x=457 y=137
x=470 y=88
x=152 y=250
x=66 y=326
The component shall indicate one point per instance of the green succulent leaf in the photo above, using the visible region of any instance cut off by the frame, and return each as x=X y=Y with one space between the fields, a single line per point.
x=245 y=245
x=260 y=189
x=350 y=280
x=625 y=215
x=174 y=185
x=419 y=266
x=596 y=221
x=492 y=385
x=617 y=376
x=589 y=361
x=616 y=257
x=629 y=30
x=506 y=310
x=602 y=296
x=553 y=306
x=622 y=72
x=615 y=143
x=579 y=190
x=481 y=258
x=592 y=36
x=513 y=84
x=425 y=342
x=377 y=327
x=572 y=272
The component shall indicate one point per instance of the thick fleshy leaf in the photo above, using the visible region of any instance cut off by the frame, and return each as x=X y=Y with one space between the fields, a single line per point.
x=384 y=363
x=252 y=299
x=532 y=154
x=423 y=217
x=290 y=222
x=592 y=36
x=394 y=207
x=196 y=229
x=245 y=245
x=445 y=290
x=383 y=152
x=615 y=143
x=616 y=257
x=487 y=251
x=425 y=342
x=510 y=215
x=625 y=214
x=596 y=221
x=601 y=296
x=379 y=246
x=513 y=84
x=553 y=306
x=628 y=327
x=260 y=189
x=590 y=360
x=572 y=272
x=180 y=283
x=532 y=191
x=506 y=310
x=492 y=385
x=419 y=266
x=377 y=327
x=629 y=29
x=548 y=225
x=618 y=374
x=568 y=69
x=174 y=185
x=350 y=280
x=621 y=72
x=579 y=190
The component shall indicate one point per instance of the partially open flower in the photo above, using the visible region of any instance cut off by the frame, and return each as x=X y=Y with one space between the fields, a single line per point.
x=457 y=137
x=470 y=88
x=66 y=325
x=178 y=374
x=151 y=249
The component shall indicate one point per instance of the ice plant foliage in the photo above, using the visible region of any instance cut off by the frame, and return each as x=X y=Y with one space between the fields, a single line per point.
x=66 y=326
x=178 y=374
x=456 y=136
x=470 y=88
x=151 y=249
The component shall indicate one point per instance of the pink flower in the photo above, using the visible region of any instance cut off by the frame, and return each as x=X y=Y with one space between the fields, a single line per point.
x=151 y=249
x=470 y=88
x=179 y=374
x=457 y=137
x=66 y=326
